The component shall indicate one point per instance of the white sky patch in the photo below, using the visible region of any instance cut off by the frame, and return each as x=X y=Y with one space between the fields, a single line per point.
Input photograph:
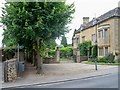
x=83 y=8
x=88 y=8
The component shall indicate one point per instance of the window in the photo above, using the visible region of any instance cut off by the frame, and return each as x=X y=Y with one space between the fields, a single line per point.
x=106 y=51
x=101 y=51
x=106 y=33
x=100 y=34
x=94 y=38
x=83 y=38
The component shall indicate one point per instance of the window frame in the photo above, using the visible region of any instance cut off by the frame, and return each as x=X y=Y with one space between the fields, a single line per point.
x=101 y=53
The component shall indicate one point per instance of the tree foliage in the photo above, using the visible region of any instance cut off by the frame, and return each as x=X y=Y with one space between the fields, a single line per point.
x=64 y=41
x=25 y=21
x=51 y=44
x=31 y=24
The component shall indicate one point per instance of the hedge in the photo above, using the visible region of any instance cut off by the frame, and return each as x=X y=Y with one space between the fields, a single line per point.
x=64 y=52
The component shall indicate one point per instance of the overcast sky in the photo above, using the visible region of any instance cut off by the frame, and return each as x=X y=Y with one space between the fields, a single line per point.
x=83 y=8
x=89 y=8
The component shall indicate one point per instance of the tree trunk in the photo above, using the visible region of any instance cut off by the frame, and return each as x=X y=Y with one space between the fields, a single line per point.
x=39 y=64
x=39 y=58
x=35 y=58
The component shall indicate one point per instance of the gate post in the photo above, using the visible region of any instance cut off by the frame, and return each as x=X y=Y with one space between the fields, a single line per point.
x=78 y=55
x=57 y=55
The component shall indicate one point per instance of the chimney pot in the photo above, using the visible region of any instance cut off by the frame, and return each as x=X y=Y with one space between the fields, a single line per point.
x=85 y=20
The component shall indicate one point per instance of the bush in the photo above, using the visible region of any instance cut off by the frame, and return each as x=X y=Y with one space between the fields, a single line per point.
x=51 y=53
x=102 y=60
x=66 y=52
x=107 y=59
x=111 y=58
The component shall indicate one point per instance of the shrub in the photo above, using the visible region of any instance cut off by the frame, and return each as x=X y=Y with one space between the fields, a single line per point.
x=111 y=58
x=107 y=59
x=66 y=52
x=51 y=53
x=103 y=60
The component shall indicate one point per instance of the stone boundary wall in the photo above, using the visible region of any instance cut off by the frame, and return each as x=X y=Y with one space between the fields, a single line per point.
x=10 y=70
x=83 y=58
x=49 y=61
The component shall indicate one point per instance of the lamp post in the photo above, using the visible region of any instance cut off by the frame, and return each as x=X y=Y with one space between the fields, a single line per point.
x=95 y=59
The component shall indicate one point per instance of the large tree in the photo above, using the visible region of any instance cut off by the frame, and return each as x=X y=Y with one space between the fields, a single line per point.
x=32 y=23
x=64 y=41
x=51 y=44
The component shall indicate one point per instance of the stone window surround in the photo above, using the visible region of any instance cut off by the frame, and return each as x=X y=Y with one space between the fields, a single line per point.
x=103 y=47
x=93 y=39
x=83 y=39
x=103 y=28
x=101 y=53
x=106 y=48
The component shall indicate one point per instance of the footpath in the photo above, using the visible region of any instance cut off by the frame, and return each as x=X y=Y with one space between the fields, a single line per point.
x=59 y=72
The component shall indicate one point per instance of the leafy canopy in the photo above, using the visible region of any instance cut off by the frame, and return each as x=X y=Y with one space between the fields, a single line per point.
x=64 y=41
x=25 y=21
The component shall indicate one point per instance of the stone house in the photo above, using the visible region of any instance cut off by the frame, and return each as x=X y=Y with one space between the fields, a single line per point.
x=104 y=31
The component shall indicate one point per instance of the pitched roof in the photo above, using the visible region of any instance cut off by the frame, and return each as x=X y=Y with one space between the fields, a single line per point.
x=112 y=13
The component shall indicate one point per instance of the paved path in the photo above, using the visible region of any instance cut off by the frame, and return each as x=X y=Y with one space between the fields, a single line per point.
x=58 y=72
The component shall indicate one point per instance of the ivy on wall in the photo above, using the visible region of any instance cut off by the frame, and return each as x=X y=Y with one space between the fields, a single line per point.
x=94 y=51
x=85 y=48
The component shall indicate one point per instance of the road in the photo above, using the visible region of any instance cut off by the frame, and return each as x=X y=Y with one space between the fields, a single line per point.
x=104 y=81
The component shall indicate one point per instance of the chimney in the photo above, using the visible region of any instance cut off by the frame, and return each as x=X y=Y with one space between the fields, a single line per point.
x=85 y=20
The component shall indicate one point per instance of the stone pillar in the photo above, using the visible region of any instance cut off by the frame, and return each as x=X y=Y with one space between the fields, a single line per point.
x=74 y=55
x=117 y=56
x=47 y=52
x=57 y=55
x=116 y=38
x=78 y=55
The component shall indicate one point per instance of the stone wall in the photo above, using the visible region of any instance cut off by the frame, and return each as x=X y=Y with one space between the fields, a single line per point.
x=10 y=70
x=49 y=60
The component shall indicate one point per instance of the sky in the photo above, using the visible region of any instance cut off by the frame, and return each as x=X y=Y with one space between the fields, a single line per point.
x=83 y=8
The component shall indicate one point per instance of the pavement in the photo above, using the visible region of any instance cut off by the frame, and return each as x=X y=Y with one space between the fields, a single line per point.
x=59 y=72
x=102 y=81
